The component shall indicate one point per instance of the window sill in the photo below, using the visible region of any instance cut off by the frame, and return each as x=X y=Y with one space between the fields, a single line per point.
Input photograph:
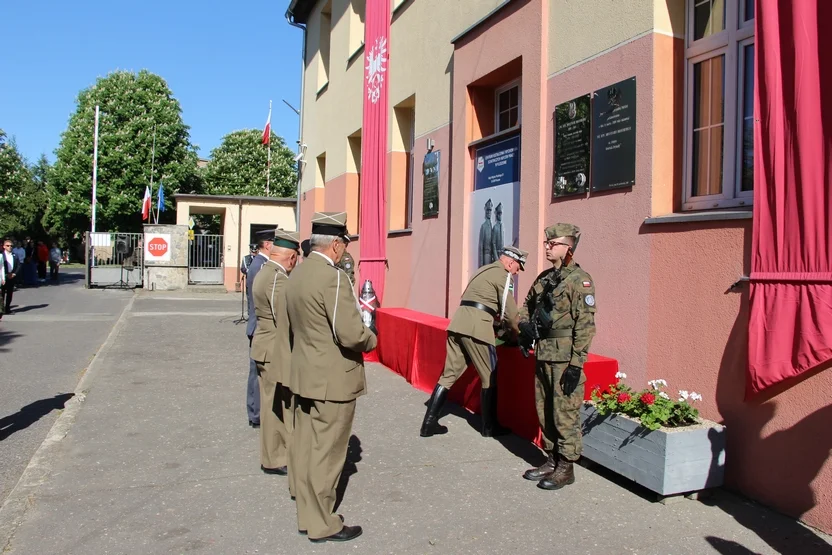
x=321 y=90
x=355 y=55
x=399 y=232
x=705 y=216
x=511 y=131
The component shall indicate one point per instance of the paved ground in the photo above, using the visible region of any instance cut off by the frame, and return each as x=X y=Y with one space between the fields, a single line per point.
x=45 y=346
x=154 y=455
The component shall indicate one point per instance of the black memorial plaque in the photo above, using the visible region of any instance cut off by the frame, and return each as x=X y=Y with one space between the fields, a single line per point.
x=430 y=185
x=572 y=150
x=614 y=136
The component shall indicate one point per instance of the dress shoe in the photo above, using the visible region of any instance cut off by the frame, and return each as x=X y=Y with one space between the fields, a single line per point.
x=431 y=425
x=563 y=475
x=280 y=471
x=254 y=424
x=346 y=534
x=543 y=471
x=303 y=532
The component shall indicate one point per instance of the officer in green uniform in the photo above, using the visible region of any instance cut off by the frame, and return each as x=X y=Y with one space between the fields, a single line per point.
x=471 y=339
x=559 y=313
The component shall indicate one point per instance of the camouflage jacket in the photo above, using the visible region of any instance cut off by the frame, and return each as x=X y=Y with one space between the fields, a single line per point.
x=347 y=263
x=573 y=315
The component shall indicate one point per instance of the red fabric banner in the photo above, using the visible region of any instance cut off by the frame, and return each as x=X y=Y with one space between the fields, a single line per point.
x=372 y=262
x=790 y=322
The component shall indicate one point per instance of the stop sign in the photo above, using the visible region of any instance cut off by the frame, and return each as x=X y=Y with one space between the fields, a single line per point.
x=157 y=247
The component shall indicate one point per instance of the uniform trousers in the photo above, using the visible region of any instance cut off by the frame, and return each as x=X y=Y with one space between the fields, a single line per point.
x=276 y=420
x=319 y=451
x=252 y=390
x=460 y=351
x=559 y=415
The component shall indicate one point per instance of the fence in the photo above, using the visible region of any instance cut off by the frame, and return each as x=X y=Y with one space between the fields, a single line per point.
x=205 y=259
x=114 y=259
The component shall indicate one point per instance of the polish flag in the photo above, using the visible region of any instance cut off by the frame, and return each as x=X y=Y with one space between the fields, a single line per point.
x=267 y=132
x=146 y=203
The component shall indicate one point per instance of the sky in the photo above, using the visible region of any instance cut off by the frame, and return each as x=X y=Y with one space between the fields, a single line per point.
x=222 y=60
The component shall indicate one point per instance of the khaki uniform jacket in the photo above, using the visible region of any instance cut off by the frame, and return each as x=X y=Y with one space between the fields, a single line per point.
x=488 y=287
x=328 y=335
x=265 y=290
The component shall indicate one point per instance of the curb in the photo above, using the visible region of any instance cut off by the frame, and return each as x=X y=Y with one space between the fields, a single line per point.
x=22 y=496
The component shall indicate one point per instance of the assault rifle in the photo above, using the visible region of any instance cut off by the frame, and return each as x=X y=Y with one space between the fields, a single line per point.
x=540 y=320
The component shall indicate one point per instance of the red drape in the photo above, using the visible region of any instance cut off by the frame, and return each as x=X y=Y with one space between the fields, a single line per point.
x=373 y=229
x=790 y=323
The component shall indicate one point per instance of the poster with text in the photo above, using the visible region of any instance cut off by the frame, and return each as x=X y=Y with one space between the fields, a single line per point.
x=614 y=136
x=430 y=185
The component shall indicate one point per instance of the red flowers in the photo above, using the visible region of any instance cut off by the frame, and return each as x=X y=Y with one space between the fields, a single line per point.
x=648 y=398
x=623 y=398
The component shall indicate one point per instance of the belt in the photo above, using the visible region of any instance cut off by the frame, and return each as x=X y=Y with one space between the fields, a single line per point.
x=474 y=304
x=556 y=334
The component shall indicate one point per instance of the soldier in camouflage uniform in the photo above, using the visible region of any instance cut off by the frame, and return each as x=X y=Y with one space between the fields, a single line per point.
x=560 y=311
x=348 y=265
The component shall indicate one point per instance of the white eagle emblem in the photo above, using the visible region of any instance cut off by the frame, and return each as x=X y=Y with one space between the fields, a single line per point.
x=376 y=60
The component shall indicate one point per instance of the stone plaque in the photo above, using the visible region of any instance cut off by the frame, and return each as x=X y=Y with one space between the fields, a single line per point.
x=572 y=149
x=614 y=136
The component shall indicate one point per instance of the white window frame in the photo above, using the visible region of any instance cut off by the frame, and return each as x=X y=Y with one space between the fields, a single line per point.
x=729 y=42
x=497 y=93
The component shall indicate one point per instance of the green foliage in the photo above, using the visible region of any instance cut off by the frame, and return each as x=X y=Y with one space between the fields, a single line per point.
x=18 y=196
x=652 y=407
x=130 y=106
x=238 y=166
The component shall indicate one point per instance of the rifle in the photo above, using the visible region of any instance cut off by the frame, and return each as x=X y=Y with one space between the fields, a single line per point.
x=540 y=321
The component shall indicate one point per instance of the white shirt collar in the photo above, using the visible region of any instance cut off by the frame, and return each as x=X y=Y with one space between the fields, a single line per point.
x=328 y=259
x=8 y=256
x=263 y=255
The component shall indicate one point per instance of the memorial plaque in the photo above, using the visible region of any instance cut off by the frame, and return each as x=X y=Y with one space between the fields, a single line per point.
x=572 y=150
x=430 y=185
x=614 y=136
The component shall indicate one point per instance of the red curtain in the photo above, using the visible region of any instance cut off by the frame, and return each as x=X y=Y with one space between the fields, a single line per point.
x=790 y=324
x=373 y=230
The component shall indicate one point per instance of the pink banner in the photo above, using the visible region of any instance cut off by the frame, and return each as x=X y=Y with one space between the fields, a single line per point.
x=373 y=220
x=790 y=321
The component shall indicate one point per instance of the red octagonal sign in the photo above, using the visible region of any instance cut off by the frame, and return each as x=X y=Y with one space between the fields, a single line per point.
x=157 y=247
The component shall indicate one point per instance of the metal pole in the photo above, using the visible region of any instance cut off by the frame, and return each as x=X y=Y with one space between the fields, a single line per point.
x=152 y=161
x=269 y=145
x=95 y=169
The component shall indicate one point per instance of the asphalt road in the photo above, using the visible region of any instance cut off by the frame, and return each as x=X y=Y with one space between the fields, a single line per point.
x=45 y=347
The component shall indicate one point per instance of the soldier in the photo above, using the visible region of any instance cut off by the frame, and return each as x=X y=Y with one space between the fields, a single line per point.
x=471 y=339
x=484 y=254
x=264 y=245
x=270 y=350
x=327 y=376
x=347 y=264
x=560 y=311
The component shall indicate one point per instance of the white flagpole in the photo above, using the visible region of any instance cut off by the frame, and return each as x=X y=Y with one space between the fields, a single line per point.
x=95 y=169
x=152 y=160
x=269 y=146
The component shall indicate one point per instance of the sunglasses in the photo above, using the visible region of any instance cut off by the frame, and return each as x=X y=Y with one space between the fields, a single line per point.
x=552 y=244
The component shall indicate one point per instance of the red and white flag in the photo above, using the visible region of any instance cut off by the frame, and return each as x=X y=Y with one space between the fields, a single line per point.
x=267 y=132
x=146 y=203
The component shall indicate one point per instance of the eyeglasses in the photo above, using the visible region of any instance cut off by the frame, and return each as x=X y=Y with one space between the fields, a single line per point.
x=552 y=244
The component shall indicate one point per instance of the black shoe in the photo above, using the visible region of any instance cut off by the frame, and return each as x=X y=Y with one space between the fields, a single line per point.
x=346 y=534
x=543 y=471
x=303 y=532
x=431 y=425
x=488 y=407
x=280 y=471
x=254 y=424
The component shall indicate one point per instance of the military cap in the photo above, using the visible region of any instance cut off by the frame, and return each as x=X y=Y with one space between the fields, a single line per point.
x=331 y=223
x=267 y=235
x=305 y=247
x=488 y=203
x=564 y=230
x=286 y=239
x=516 y=254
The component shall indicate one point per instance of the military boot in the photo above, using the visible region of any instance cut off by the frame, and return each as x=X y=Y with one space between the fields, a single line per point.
x=430 y=425
x=563 y=476
x=488 y=408
x=543 y=471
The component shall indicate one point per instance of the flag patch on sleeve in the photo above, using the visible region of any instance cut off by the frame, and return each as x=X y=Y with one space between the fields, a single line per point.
x=587 y=284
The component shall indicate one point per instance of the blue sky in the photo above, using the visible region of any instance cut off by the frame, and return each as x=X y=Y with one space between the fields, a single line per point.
x=222 y=60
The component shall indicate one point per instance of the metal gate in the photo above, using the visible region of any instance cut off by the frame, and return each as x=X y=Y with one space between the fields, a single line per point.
x=114 y=259
x=205 y=259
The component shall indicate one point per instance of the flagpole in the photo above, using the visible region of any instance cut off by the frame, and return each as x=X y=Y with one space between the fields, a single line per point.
x=152 y=162
x=95 y=169
x=269 y=146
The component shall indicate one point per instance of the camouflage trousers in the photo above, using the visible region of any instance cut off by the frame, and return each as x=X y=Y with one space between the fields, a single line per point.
x=559 y=416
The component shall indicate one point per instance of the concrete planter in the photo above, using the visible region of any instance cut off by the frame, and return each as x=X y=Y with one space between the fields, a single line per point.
x=667 y=461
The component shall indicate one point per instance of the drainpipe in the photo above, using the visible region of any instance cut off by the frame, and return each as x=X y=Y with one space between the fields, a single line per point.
x=239 y=285
x=290 y=19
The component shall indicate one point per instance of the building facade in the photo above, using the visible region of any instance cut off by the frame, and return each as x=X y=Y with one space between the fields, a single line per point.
x=632 y=120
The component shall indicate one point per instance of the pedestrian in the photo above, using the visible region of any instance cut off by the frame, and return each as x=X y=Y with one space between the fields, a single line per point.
x=55 y=256
x=271 y=352
x=264 y=246
x=43 y=257
x=327 y=376
x=560 y=310
x=11 y=267
x=486 y=301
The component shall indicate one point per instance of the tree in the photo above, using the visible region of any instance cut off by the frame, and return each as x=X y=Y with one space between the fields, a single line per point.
x=131 y=106
x=17 y=206
x=238 y=166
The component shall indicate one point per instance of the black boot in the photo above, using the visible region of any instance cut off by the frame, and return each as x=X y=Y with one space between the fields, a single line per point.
x=430 y=425
x=543 y=471
x=488 y=405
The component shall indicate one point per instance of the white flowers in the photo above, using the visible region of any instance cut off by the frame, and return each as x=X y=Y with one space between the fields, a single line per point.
x=655 y=384
x=620 y=375
x=664 y=395
x=693 y=396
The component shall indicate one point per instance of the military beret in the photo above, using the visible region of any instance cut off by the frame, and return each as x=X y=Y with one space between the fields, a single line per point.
x=516 y=254
x=564 y=230
x=286 y=239
x=331 y=223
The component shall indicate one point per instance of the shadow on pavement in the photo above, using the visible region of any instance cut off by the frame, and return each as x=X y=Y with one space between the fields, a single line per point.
x=350 y=467
x=27 y=308
x=31 y=413
x=6 y=337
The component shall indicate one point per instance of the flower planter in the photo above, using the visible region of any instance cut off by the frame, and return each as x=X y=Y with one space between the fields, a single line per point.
x=667 y=461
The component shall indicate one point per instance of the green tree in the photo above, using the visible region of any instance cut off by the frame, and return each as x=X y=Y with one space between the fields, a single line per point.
x=16 y=200
x=238 y=166
x=131 y=106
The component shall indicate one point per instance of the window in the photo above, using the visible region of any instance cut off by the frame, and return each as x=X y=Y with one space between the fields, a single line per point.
x=325 y=30
x=719 y=136
x=356 y=14
x=507 y=107
x=353 y=192
x=401 y=171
